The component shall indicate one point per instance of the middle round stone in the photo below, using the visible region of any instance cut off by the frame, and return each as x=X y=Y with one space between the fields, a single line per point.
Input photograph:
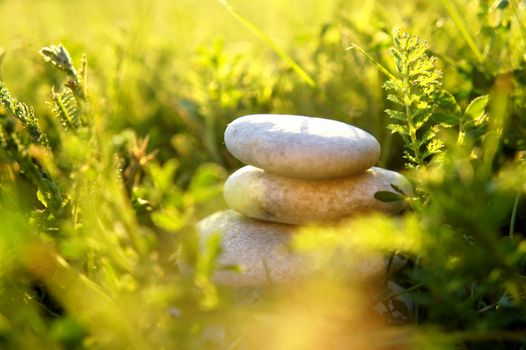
x=258 y=194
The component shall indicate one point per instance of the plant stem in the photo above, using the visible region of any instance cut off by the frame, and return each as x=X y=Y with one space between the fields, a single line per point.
x=405 y=291
x=412 y=134
x=514 y=215
x=412 y=131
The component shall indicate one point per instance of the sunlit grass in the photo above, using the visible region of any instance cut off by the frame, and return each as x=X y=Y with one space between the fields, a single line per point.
x=101 y=190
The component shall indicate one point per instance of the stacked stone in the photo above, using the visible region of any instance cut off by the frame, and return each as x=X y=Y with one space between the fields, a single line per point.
x=301 y=171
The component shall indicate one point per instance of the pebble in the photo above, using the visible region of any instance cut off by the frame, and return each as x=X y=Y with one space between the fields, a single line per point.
x=258 y=194
x=261 y=250
x=301 y=147
x=397 y=306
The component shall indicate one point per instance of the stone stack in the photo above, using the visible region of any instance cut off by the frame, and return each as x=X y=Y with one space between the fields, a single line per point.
x=300 y=171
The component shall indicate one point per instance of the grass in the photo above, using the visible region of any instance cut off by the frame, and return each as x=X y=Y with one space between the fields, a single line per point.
x=111 y=149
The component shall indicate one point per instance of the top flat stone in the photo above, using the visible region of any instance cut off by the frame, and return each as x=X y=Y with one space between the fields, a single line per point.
x=301 y=147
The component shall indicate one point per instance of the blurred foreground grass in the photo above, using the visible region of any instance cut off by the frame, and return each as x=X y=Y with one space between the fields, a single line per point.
x=100 y=193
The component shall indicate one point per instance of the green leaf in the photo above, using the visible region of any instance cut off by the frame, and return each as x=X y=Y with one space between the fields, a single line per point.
x=433 y=147
x=169 y=219
x=387 y=196
x=397 y=189
x=409 y=157
x=207 y=175
x=426 y=137
x=447 y=111
x=503 y=4
x=42 y=198
x=476 y=108
x=446 y=119
x=163 y=176
x=396 y=115
x=395 y=128
x=395 y=99
x=59 y=57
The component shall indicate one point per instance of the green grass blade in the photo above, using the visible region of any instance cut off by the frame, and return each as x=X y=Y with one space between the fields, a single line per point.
x=461 y=26
x=519 y=20
x=381 y=68
x=267 y=40
x=514 y=215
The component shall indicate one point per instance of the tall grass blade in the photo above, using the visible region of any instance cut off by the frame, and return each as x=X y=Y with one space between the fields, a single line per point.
x=381 y=68
x=517 y=14
x=267 y=40
x=514 y=215
x=459 y=23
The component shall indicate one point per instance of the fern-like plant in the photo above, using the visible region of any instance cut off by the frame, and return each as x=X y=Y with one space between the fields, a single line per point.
x=68 y=103
x=414 y=89
x=24 y=113
x=65 y=107
x=17 y=148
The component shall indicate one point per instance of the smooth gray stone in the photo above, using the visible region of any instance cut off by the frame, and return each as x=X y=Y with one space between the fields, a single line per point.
x=260 y=195
x=397 y=304
x=261 y=250
x=301 y=147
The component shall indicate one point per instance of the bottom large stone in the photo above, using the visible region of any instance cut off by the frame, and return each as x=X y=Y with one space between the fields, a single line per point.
x=261 y=250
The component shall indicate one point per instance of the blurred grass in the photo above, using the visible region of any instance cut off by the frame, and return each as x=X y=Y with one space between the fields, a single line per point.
x=96 y=267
